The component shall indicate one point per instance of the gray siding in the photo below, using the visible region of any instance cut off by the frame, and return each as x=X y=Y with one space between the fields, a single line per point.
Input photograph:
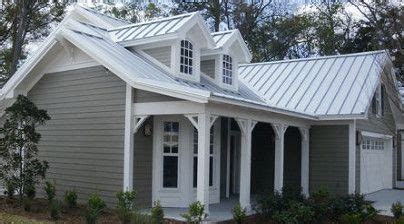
x=141 y=96
x=161 y=54
x=208 y=67
x=329 y=146
x=143 y=166
x=383 y=125
x=83 y=141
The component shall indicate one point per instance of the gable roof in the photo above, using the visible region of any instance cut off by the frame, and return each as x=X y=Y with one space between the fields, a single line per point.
x=224 y=39
x=335 y=87
x=325 y=86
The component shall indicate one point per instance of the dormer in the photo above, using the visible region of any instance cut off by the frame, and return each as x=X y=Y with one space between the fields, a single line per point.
x=220 y=64
x=174 y=43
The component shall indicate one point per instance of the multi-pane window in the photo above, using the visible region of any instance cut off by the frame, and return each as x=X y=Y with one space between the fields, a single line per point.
x=170 y=154
x=227 y=69
x=211 y=152
x=372 y=144
x=186 y=60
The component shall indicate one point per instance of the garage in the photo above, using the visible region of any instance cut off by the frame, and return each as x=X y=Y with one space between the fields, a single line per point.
x=376 y=165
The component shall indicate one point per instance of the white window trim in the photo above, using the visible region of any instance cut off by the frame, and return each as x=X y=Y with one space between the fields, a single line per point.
x=192 y=50
x=378 y=97
x=224 y=70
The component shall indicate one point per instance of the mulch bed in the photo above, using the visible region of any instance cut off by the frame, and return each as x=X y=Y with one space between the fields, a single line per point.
x=40 y=212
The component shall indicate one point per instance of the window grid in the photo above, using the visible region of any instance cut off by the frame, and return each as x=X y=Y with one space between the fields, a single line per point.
x=373 y=144
x=170 y=154
x=186 y=59
x=227 y=69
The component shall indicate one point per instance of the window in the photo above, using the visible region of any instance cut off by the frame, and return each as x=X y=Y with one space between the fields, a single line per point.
x=211 y=152
x=382 y=97
x=227 y=69
x=170 y=154
x=377 y=102
x=372 y=144
x=186 y=57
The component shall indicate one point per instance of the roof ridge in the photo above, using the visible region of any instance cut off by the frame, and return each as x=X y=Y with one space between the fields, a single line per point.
x=162 y=19
x=223 y=32
x=100 y=13
x=314 y=58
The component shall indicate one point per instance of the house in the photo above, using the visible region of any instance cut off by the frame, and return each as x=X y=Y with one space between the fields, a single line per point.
x=180 y=114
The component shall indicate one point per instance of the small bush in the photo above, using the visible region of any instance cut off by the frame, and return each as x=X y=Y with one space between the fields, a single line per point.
x=397 y=210
x=55 y=209
x=95 y=207
x=271 y=203
x=138 y=218
x=351 y=218
x=195 y=214
x=352 y=205
x=10 y=189
x=400 y=220
x=27 y=203
x=50 y=191
x=157 y=213
x=30 y=191
x=71 y=198
x=320 y=203
x=126 y=205
x=239 y=214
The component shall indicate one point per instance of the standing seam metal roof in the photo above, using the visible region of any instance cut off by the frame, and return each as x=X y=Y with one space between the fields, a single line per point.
x=334 y=85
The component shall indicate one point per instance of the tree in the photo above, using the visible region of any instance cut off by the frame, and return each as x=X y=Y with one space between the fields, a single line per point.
x=19 y=163
x=22 y=21
x=381 y=28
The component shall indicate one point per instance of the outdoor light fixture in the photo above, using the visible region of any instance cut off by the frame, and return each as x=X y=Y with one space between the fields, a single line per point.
x=147 y=131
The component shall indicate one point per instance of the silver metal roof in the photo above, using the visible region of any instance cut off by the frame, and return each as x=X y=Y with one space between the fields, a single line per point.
x=149 y=29
x=222 y=37
x=323 y=86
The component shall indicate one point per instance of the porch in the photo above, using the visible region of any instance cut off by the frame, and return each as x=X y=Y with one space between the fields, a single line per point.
x=217 y=154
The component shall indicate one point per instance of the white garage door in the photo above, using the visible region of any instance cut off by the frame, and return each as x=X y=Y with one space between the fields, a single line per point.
x=376 y=164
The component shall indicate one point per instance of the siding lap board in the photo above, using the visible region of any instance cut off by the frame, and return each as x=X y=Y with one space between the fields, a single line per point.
x=83 y=141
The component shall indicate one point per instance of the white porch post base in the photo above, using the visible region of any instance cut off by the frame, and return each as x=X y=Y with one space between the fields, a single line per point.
x=246 y=127
x=304 y=132
x=279 y=130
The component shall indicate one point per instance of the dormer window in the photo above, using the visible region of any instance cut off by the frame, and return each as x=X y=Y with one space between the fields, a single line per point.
x=227 y=69
x=186 y=57
x=378 y=101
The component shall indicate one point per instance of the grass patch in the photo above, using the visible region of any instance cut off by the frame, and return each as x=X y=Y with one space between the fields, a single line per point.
x=9 y=218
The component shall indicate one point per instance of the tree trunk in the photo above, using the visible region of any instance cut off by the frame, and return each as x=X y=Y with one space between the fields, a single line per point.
x=19 y=36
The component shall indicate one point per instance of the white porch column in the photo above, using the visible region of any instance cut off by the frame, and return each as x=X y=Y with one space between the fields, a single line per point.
x=128 y=141
x=304 y=132
x=279 y=130
x=246 y=127
x=203 y=122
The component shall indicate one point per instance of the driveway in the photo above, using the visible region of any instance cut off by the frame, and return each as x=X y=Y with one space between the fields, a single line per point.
x=384 y=199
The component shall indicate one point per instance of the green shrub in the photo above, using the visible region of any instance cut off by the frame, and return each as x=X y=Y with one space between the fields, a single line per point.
x=139 y=218
x=27 y=203
x=55 y=209
x=94 y=208
x=157 y=213
x=397 y=210
x=239 y=214
x=351 y=204
x=126 y=205
x=400 y=220
x=320 y=204
x=270 y=203
x=195 y=214
x=292 y=194
x=30 y=191
x=297 y=212
x=351 y=218
x=10 y=189
x=50 y=191
x=71 y=198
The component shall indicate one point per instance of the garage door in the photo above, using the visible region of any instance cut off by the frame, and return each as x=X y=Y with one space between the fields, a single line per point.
x=376 y=164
